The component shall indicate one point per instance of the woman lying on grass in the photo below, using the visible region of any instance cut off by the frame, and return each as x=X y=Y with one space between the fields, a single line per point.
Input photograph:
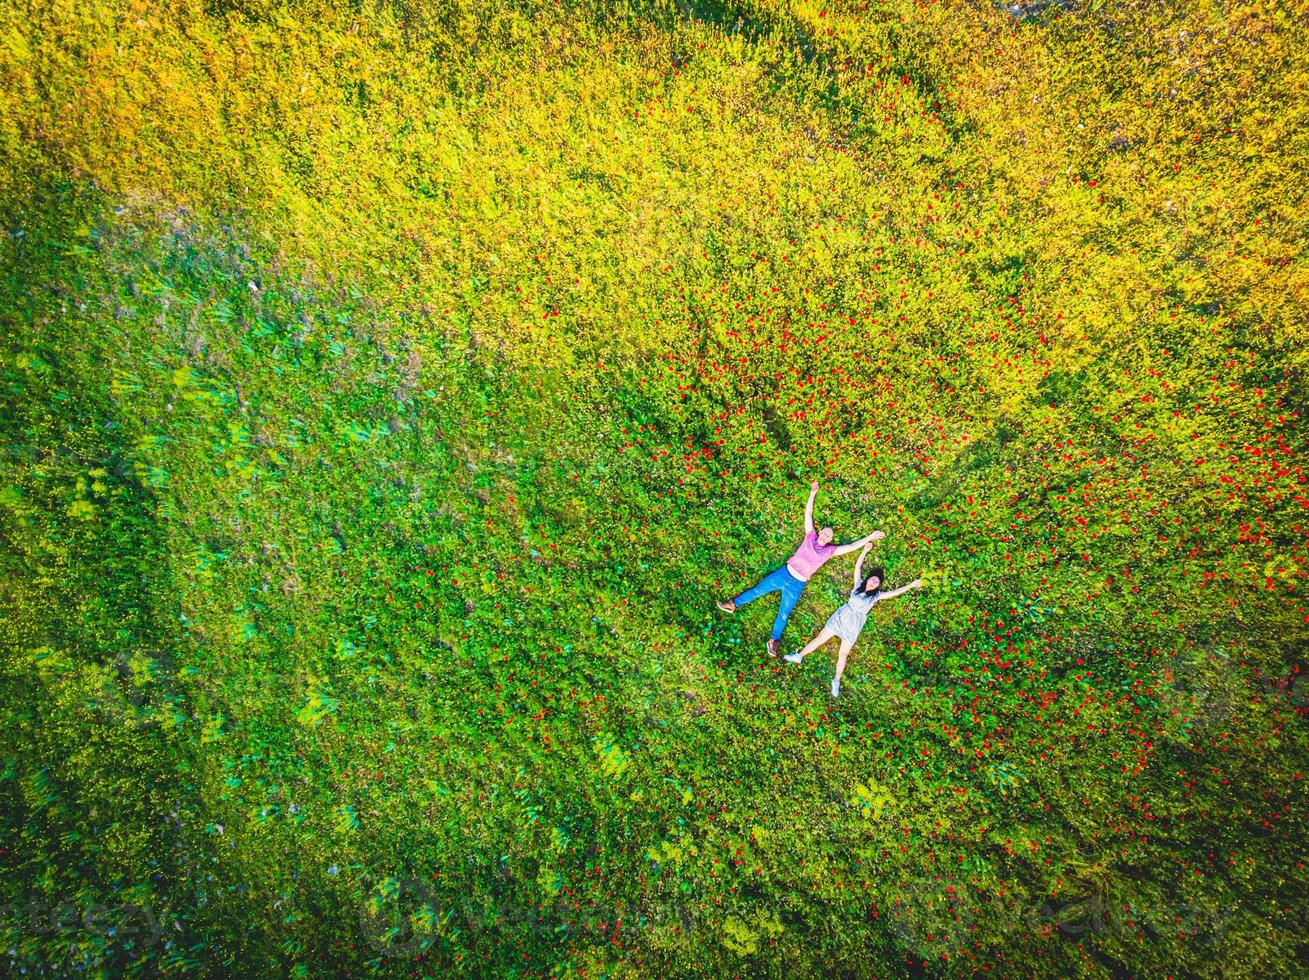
x=848 y=621
x=790 y=579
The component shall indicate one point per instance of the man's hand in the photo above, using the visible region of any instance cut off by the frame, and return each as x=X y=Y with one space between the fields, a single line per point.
x=863 y=542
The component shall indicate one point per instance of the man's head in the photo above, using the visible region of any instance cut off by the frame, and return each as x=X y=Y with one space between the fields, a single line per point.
x=825 y=536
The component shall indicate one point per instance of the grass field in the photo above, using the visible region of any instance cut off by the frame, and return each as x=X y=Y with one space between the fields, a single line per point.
x=390 y=389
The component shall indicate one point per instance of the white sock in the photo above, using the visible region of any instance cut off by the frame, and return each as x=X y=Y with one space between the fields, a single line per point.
x=836 y=688
x=795 y=658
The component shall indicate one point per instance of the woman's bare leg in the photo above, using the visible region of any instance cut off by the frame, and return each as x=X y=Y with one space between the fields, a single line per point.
x=841 y=657
x=846 y=647
x=823 y=636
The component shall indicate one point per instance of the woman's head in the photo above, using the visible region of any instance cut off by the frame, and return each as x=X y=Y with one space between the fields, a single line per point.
x=873 y=583
x=825 y=535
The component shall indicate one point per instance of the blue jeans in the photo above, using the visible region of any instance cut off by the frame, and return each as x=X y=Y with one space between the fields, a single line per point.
x=779 y=581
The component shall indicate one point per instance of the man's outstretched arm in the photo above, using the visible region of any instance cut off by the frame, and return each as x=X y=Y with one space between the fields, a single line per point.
x=809 y=508
x=845 y=549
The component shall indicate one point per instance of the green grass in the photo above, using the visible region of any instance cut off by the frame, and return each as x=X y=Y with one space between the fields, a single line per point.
x=389 y=390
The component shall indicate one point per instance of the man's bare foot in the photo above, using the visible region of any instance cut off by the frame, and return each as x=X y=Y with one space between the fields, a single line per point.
x=728 y=607
x=772 y=647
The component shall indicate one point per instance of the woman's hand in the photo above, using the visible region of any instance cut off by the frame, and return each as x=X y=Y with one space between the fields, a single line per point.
x=813 y=486
x=916 y=584
x=877 y=536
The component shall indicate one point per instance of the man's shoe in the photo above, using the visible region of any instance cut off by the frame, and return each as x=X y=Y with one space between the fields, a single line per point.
x=773 y=646
x=728 y=607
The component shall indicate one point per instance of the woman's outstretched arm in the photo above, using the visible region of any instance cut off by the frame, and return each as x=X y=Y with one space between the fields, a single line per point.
x=859 y=565
x=915 y=584
x=809 y=508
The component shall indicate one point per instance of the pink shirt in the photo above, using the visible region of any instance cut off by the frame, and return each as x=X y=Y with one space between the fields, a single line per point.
x=809 y=557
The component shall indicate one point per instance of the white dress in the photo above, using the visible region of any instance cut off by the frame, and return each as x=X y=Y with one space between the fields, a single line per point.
x=848 y=621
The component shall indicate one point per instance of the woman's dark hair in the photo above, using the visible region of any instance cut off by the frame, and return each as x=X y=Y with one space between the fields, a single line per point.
x=875 y=573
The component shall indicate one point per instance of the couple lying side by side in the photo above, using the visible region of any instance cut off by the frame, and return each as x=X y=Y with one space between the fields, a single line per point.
x=815 y=551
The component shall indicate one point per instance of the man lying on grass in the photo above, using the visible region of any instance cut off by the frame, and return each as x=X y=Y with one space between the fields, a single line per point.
x=814 y=552
x=848 y=621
